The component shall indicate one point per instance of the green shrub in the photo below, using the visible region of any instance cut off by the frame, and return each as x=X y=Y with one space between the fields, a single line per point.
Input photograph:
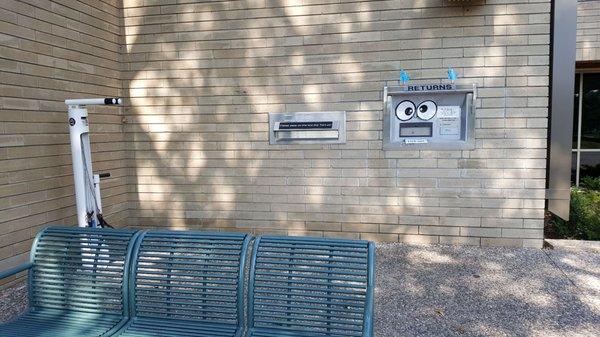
x=584 y=217
x=590 y=183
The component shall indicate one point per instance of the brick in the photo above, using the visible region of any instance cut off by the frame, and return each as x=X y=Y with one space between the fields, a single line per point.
x=399 y=229
x=522 y=233
x=501 y=242
x=480 y=232
x=419 y=239
x=453 y=221
x=379 y=237
x=436 y=230
x=11 y=140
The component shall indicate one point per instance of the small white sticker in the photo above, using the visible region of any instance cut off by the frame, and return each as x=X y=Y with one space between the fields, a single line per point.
x=415 y=141
x=449 y=111
x=449 y=127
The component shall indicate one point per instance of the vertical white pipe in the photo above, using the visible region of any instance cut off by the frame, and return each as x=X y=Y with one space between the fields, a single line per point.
x=78 y=126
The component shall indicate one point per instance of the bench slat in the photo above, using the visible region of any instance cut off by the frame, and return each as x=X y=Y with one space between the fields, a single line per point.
x=187 y=284
x=311 y=287
x=77 y=283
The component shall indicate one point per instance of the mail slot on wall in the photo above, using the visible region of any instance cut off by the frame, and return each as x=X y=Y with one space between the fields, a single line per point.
x=307 y=127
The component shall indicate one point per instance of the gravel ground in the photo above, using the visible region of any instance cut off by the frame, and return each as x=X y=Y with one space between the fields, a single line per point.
x=583 y=270
x=13 y=301
x=468 y=291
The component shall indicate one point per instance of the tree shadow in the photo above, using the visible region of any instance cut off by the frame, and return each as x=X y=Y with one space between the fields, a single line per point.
x=197 y=119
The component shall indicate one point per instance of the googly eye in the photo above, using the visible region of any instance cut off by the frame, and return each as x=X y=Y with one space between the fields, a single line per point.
x=426 y=110
x=405 y=110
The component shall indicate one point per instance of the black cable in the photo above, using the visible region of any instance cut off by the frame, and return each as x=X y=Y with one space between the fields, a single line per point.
x=102 y=223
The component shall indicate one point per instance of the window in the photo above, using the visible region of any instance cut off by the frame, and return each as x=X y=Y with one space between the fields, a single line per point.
x=586 y=127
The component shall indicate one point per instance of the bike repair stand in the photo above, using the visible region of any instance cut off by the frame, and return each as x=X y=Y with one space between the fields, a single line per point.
x=87 y=184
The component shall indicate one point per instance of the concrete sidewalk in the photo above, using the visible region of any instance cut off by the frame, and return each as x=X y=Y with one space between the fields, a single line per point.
x=470 y=291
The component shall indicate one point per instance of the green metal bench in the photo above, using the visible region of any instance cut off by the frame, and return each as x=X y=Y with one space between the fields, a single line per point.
x=77 y=283
x=187 y=284
x=311 y=287
x=102 y=282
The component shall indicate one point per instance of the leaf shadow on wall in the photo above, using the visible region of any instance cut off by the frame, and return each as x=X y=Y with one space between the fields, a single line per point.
x=199 y=94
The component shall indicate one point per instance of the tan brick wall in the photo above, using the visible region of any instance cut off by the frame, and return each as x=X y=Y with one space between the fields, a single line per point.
x=588 y=31
x=50 y=51
x=202 y=78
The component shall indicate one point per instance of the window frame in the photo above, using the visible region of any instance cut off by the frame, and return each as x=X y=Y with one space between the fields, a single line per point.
x=578 y=151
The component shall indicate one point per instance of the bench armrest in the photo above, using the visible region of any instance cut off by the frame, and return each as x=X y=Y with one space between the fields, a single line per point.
x=15 y=270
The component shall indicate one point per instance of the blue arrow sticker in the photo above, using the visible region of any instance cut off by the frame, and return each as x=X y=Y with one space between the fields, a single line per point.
x=452 y=75
x=404 y=77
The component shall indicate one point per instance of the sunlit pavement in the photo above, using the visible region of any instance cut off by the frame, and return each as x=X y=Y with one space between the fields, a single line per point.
x=469 y=291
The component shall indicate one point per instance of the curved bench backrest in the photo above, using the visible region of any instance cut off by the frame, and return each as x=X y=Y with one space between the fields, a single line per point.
x=80 y=269
x=311 y=287
x=192 y=276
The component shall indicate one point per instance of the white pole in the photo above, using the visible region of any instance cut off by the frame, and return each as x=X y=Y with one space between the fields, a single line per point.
x=78 y=126
x=87 y=189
